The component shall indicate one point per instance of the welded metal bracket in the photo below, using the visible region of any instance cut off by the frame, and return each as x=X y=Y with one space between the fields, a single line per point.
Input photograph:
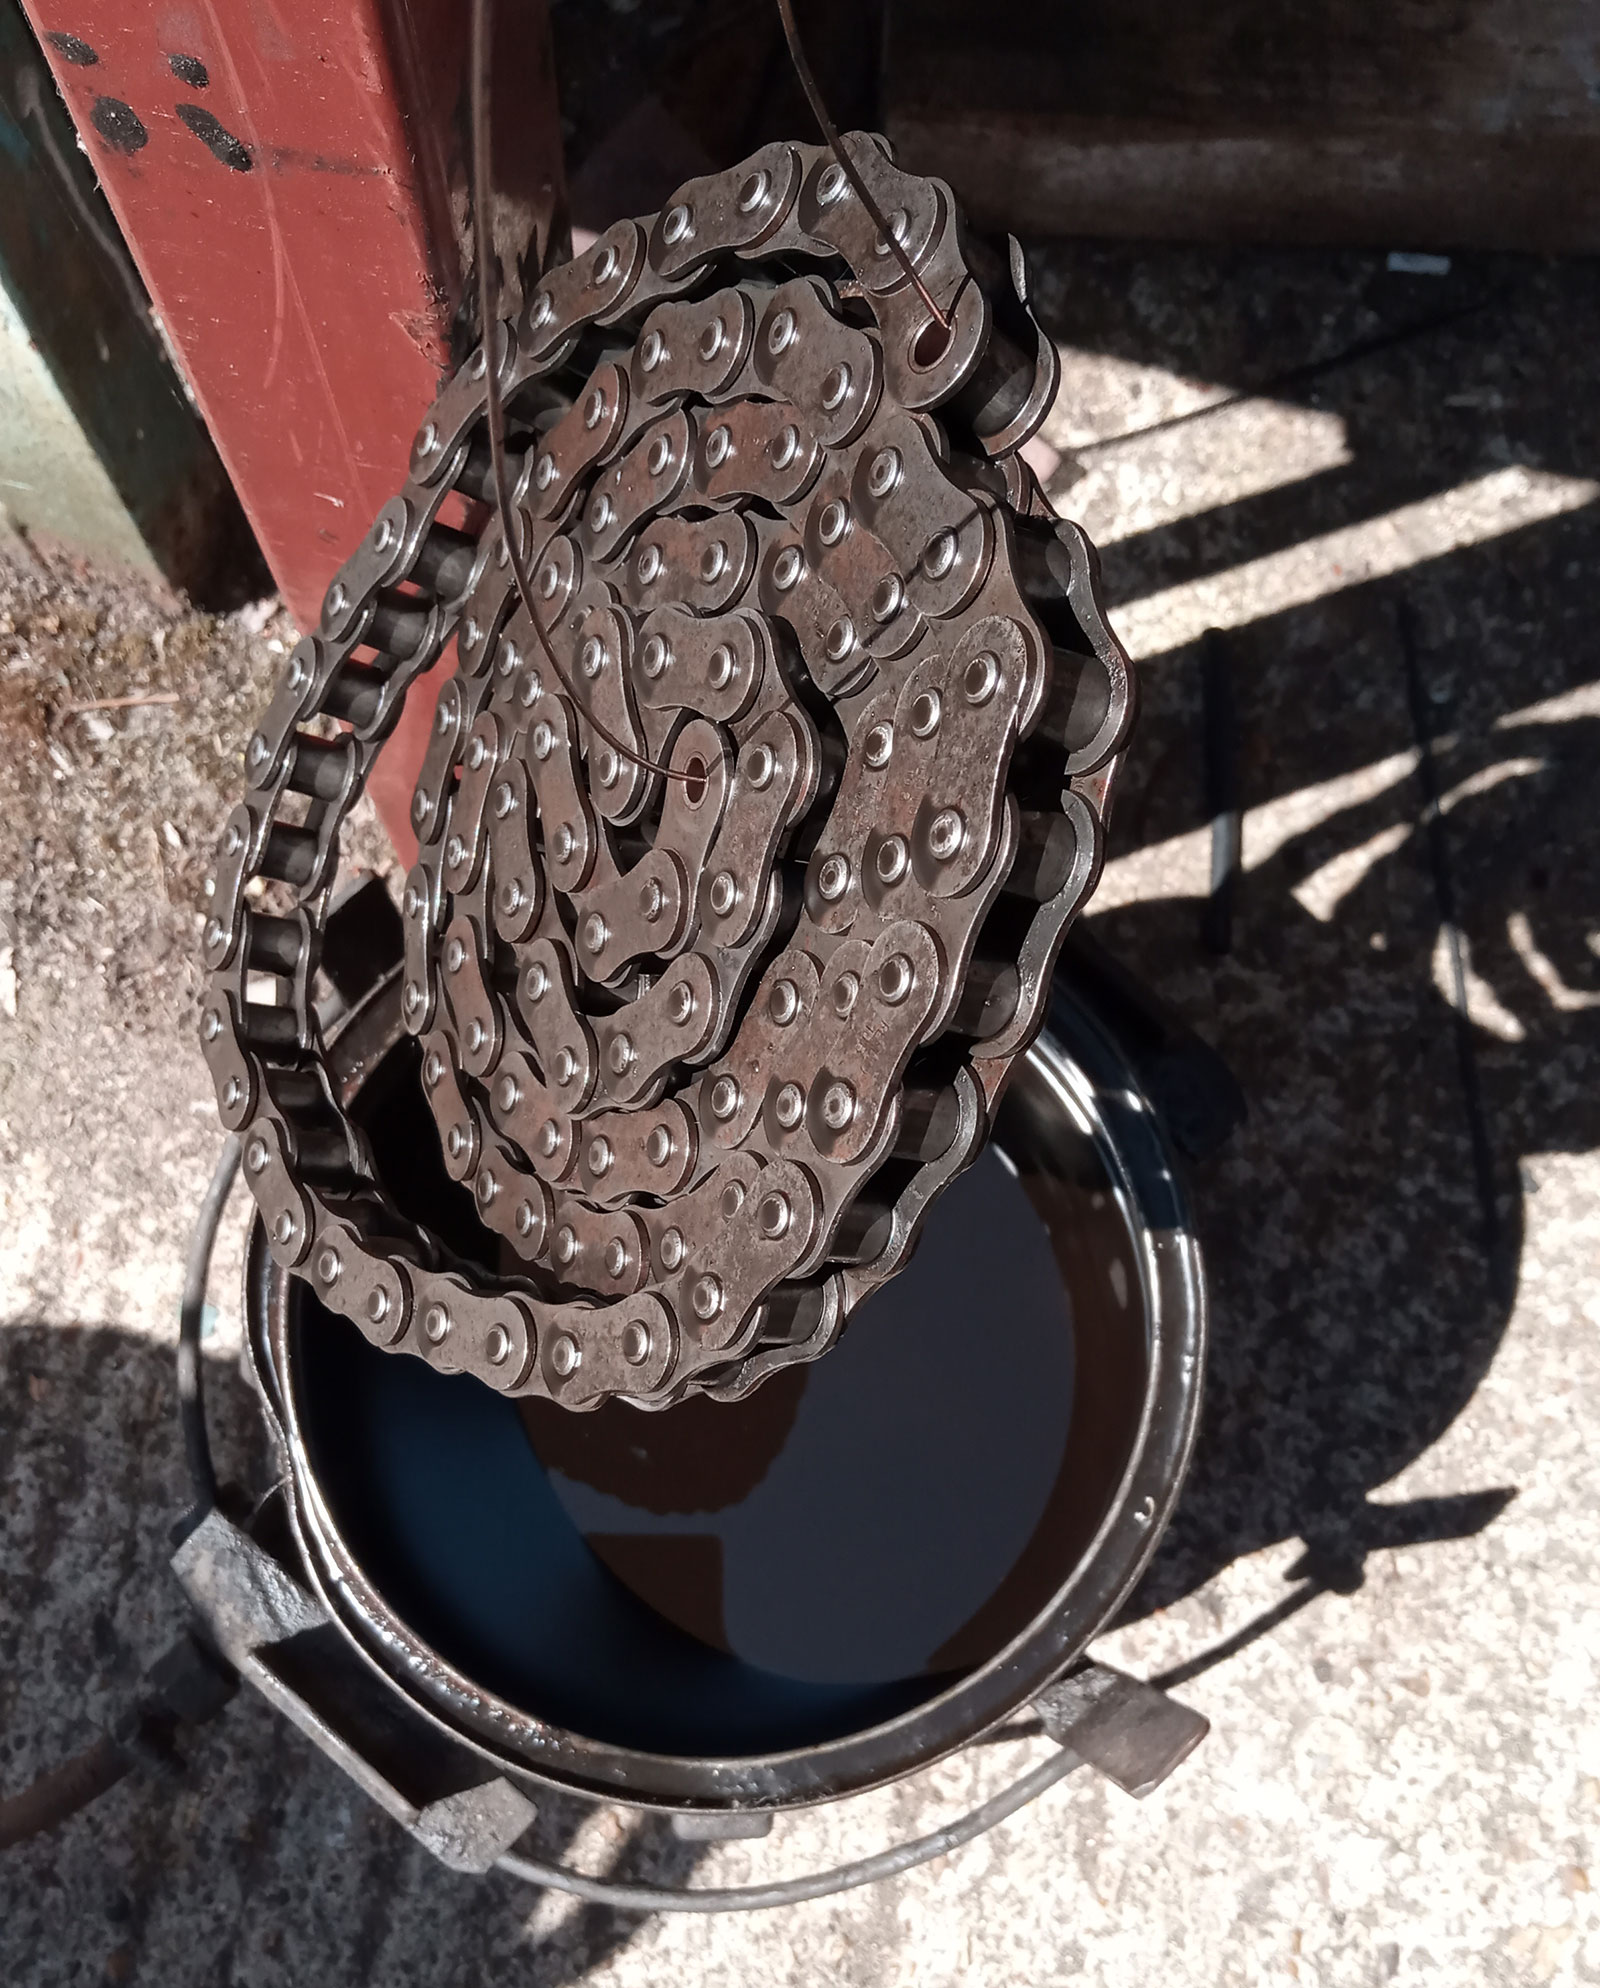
x=731 y=1826
x=240 y=1592
x=279 y=1637
x=1132 y=1732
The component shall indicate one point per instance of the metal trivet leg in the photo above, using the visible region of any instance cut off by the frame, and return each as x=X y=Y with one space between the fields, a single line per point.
x=279 y=1638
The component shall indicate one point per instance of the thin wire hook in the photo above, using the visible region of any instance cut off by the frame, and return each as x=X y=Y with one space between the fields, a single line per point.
x=847 y=165
x=487 y=310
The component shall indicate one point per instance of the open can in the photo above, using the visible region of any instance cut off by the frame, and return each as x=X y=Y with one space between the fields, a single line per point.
x=727 y=1608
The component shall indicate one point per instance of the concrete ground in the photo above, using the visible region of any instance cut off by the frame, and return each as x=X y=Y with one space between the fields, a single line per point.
x=1383 y=1583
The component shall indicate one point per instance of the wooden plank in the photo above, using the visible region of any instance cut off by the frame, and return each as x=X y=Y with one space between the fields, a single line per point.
x=1429 y=123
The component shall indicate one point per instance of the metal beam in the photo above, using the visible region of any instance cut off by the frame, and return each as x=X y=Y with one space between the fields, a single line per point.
x=291 y=180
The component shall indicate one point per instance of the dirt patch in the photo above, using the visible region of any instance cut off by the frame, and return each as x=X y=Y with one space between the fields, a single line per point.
x=122 y=724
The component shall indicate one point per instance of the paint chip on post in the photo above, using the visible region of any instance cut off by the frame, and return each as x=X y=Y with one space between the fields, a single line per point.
x=1406 y=262
x=119 y=124
x=74 y=50
x=217 y=139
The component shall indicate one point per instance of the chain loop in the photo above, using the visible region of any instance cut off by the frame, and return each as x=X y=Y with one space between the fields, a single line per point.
x=723 y=937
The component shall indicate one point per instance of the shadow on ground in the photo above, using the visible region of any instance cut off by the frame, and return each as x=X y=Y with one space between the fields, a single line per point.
x=1364 y=1231
x=261 y=1862
x=1364 y=1234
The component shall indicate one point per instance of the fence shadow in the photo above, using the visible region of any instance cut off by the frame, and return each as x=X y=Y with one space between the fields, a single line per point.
x=1363 y=1233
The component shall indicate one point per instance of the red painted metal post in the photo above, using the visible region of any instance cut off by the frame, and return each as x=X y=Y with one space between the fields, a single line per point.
x=291 y=178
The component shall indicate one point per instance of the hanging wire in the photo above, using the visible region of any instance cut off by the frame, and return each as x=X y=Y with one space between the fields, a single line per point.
x=488 y=315
x=847 y=165
x=488 y=305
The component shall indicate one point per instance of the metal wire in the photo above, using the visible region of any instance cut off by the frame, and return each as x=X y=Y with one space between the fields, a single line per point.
x=793 y=1891
x=847 y=165
x=63 y=1791
x=488 y=307
x=191 y=1385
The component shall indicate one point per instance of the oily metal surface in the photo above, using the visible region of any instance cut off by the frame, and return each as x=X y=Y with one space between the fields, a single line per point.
x=704 y=1046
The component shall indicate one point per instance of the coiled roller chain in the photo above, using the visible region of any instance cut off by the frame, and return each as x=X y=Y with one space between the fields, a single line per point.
x=706 y=1044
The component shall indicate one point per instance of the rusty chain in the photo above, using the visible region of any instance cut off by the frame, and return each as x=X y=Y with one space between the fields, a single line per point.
x=704 y=1048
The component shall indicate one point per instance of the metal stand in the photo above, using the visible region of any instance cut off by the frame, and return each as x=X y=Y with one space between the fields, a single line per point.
x=280 y=1639
x=264 y=1618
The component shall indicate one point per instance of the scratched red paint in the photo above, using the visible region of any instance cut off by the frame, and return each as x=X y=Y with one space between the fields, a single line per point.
x=310 y=297
x=282 y=286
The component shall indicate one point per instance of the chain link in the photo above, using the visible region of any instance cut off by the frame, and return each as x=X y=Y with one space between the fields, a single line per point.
x=704 y=1049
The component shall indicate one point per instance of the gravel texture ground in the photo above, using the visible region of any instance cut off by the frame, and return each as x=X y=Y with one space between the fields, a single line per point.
x=1383 y=1584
